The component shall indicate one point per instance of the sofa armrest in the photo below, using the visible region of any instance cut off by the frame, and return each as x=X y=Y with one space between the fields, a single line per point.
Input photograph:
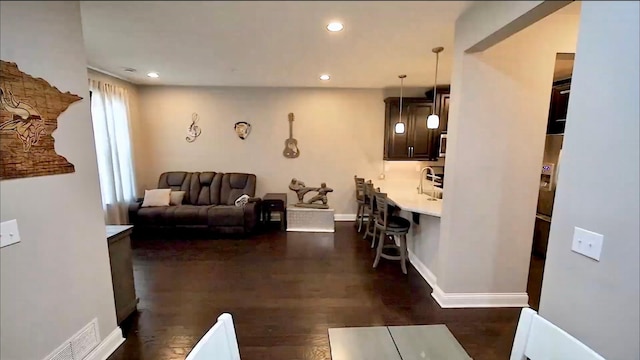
x=133 y=211
x=252 y=214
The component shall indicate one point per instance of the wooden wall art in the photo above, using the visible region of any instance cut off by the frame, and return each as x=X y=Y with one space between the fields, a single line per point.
x=29 y=110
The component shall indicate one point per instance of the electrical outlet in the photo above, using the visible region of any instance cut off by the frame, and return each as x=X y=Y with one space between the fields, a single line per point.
x=587 y=243
x=9 y=233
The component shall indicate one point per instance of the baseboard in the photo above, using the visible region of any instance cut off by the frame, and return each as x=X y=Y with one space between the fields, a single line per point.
x=345 y=217
x=479 y=300
x=107 y=346
x=337 y=217
x=423 y=270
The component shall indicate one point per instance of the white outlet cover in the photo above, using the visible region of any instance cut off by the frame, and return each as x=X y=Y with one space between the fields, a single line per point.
x=587 y=243
x=9 y=233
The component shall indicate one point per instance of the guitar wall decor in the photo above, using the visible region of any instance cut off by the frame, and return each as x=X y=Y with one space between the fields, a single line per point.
x=291 y=150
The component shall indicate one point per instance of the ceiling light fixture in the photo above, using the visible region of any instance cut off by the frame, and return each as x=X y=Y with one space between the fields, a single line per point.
x=153 y=75
x=399 y=127
x=335 y=26
x=433 y=121
x=325 y=77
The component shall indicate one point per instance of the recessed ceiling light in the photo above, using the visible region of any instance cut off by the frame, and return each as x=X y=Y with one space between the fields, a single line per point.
x=325 y=77
x=153 y=75
x=335 y=26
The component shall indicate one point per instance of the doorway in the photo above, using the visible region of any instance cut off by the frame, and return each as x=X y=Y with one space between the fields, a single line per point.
x=560 y=92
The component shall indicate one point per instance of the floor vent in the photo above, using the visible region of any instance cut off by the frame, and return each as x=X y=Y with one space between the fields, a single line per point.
x=79 y=345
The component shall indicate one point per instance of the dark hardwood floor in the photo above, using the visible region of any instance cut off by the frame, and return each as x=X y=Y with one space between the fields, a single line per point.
x=284 y=291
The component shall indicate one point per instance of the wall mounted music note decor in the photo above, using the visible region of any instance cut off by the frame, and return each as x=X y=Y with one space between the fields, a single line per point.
x=291 y=150
x=194 y=130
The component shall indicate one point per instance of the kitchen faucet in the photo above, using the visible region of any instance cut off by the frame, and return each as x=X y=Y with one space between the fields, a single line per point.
x=428 y=169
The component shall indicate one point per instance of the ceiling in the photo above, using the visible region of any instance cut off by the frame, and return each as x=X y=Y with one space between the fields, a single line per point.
x=271 y=43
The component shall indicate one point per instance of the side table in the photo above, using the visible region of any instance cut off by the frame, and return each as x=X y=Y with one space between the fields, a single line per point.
x=275 y=202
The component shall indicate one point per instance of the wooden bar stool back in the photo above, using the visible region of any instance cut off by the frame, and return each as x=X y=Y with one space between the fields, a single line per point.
x=360 y=200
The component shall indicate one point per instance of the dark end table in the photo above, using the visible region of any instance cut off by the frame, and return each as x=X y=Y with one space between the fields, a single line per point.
x=275 y=202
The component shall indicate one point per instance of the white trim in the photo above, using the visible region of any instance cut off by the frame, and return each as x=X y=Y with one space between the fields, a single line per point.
x=344 y=217
x=423 y=270
x=479 y=300
x=105 y=72
x=107 y=346
x=311 y=230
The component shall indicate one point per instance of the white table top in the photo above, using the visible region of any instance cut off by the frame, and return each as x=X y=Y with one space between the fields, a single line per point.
x=406 y=197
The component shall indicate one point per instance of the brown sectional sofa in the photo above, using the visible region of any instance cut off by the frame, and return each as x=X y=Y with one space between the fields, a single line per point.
x=209 y=201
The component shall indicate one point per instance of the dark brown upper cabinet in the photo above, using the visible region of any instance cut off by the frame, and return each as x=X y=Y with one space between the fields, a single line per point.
x=558 y=107
x=417 y=142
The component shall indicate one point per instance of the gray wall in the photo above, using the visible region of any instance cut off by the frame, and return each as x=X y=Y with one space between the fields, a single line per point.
x=57 y=279
x=598 y=301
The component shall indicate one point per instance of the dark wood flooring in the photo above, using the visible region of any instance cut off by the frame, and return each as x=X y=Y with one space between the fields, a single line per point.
x=284 y=291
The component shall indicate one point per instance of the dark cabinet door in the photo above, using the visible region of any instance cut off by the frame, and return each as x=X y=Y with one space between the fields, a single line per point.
x=396 y=145
x=422 y=139
x=442 y=109
x=558 y=107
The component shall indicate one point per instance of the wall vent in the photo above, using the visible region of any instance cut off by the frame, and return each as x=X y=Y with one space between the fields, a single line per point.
x=79 y=345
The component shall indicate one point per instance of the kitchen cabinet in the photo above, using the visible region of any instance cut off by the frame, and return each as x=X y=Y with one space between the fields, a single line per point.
x=558 y=107
x=417 y=142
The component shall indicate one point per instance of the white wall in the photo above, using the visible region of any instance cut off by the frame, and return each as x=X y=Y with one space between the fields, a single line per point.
x=496 y=139
x=57 y=279
x=598 y=301
x=339 y=131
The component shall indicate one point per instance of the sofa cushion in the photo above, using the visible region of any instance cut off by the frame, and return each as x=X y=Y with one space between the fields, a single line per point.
x=152 y=215
x=205 y=188
x=224 y=215
x=190 y=215
x=235 y=185
x=176 y=181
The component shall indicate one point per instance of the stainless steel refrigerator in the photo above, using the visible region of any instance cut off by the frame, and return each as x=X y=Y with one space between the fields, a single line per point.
x=547 y=192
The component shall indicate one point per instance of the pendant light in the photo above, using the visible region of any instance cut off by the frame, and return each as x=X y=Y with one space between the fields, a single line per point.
x=399 y=127
x=433 y=121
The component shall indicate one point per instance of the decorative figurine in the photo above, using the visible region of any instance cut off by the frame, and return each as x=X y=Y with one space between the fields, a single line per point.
x=301 y=190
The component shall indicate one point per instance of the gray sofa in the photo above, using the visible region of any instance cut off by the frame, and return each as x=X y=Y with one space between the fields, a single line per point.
x=208 y=202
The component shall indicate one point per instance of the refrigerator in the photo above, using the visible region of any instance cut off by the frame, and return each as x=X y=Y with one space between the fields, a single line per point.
x=547 y=192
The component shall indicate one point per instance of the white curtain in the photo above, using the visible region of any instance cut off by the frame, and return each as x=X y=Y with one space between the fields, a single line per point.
x=110 y=114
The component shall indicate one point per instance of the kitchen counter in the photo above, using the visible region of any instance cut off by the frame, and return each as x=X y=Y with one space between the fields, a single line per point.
x=406 y=197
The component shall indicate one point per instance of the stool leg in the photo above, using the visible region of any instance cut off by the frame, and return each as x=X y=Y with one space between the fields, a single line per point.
x=373 y=238
x=361 y=212
x=403 y=253
x=379 y=251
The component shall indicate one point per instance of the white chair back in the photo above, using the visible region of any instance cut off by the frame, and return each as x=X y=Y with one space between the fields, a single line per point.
x=538 y=339
x=219 y=343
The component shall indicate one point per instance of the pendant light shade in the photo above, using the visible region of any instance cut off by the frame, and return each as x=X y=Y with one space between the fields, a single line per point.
x=433 y=120
x=399 y=128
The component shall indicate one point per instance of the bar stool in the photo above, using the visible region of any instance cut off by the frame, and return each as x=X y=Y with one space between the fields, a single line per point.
x=360 y=200
x=393 y=226
x=371 y=211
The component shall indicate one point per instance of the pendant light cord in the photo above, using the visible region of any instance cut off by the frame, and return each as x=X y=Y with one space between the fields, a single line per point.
x=401 y=87
x=435 y=85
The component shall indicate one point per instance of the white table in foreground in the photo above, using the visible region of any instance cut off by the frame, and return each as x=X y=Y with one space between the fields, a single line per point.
x=310 y=220
x=433 y=342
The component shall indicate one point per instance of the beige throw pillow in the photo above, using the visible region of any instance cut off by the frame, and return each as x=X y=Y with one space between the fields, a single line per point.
x=156 y=197
x=176 y=197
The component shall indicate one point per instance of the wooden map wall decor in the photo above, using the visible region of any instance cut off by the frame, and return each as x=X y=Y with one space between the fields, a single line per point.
x=29 y=110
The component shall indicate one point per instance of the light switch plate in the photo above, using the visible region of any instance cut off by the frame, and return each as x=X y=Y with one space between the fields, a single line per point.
x=9 y=233
x=587 y=243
